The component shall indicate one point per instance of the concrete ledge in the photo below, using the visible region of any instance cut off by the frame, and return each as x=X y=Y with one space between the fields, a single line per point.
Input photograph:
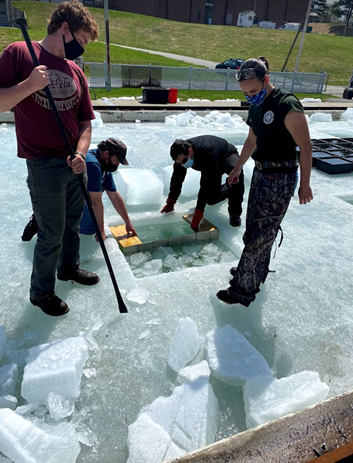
x=297 y=438
x=7 y=117
x=130 y=111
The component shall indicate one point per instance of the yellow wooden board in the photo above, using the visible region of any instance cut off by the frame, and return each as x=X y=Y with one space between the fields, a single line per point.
x=204 y=226
x=124 y=240
x=131 y=244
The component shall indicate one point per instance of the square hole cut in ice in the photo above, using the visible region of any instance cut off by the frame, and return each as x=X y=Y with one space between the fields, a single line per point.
x=171 y=247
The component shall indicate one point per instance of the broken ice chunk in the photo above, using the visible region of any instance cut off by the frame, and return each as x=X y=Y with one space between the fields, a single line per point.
x=172 y=426
x=138 y=295
x=267 y=398
x=8 y=401
x=55 y=367
x=59 y=407
x=8 y=378
x=194 y=372
x=139 y=186
x=232 y=358
x=24 y=441
x=185 y=344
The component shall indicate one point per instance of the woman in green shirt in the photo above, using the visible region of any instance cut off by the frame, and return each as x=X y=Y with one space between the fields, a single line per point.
x=277 y=126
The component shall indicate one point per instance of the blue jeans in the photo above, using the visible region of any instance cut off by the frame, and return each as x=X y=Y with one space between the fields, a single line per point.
x=57 y=202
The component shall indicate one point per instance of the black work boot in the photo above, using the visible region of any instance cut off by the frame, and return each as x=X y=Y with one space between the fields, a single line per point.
x=50 y=304
x=227 y=296
x=234 y=220
x=83 y=277
x=30 y=229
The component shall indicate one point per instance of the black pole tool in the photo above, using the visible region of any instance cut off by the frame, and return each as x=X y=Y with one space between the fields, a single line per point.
x=22 y=23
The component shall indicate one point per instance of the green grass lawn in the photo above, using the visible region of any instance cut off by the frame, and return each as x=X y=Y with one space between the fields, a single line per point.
x=330 y=53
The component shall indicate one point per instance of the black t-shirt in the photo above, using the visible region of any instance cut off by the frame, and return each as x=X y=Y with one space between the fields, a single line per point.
x=274 y=142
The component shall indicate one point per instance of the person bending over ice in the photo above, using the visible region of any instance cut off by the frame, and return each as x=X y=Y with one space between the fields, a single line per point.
x=100 y=163
x=213 y=157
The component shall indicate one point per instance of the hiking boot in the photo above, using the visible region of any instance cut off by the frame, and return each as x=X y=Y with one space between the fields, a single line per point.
x=83 y=277
x=30 y=229
x=50 y=305
x=225 y=295
x=234 y=220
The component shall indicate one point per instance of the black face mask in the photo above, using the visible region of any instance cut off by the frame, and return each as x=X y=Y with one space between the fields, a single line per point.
x=72 y=49
x=110 y=167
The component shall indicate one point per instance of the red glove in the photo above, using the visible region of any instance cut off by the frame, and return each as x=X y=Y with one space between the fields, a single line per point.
x=169 y=207
x=196 y=220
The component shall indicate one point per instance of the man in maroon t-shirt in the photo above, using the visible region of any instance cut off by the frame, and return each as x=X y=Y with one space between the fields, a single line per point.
x=56 y=195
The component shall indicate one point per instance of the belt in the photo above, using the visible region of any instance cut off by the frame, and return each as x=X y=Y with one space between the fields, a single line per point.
x=276 y=166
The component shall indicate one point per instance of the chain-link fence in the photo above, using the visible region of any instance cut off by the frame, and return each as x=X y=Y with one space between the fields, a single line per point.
x=123 y=75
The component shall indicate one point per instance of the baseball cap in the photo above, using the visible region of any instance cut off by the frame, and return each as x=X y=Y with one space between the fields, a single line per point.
x=118 y=148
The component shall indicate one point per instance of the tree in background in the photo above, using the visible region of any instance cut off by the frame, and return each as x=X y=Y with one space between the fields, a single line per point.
x=319 y=8
x=343 y=8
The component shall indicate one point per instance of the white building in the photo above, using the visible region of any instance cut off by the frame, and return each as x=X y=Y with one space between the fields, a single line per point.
x=246 y=18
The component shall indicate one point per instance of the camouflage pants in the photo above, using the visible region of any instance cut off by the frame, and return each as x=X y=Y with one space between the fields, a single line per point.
x=268 y=202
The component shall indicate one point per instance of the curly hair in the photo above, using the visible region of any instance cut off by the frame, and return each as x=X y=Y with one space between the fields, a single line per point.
x=76 y=15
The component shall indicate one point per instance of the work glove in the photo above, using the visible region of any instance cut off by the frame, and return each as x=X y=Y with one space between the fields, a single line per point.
x=196 y=220
x=169 y=207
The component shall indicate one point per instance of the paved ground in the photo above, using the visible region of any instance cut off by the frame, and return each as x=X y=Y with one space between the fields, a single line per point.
x=187 y=59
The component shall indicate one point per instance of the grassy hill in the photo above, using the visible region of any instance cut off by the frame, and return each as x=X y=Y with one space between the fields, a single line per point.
x=330 y=53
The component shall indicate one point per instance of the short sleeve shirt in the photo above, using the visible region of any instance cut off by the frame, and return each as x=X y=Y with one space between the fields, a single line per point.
x=37 y=131
x=274 y=142
x=98 y=180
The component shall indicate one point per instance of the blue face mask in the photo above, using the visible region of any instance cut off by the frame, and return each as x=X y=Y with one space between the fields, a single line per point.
x=257 y=99
x=189 y=163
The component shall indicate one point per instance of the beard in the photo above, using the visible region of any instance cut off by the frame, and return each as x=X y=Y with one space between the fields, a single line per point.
x=108 y=167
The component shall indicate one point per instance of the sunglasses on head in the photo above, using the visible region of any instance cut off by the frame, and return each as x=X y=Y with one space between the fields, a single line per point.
x=248 y=73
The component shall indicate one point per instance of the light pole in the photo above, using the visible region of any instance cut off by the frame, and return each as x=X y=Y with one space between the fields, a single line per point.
x=107 y=44
x=303 y=36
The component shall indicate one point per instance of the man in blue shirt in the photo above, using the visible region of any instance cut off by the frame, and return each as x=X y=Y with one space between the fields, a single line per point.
x=100 y=164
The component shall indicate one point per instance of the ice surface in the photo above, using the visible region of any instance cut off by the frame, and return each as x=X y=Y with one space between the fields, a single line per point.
x=35 y=442
x=55 y=367
x=191 y=184
x=139 y=187
x=302 y=317
x=267 y=398
x=175 y=425
x=5 y=460
x=8 y=378
x=232 y=358
x=194 y=372
x=185 y=344
x=2 y=341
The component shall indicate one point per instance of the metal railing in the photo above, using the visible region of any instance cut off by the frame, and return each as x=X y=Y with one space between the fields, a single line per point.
x=191 y=78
